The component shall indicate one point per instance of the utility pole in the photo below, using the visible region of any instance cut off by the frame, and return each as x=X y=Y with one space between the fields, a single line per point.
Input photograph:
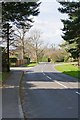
x=8 y=64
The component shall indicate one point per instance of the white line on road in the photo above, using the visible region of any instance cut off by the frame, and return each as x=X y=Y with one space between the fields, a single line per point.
x=61 y=84
x=57 y=82
x=78 y=93
x=43 y=73
x=42 y=68
x=49 y=77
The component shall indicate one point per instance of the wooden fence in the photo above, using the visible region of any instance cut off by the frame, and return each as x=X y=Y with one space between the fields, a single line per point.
x=21 y=62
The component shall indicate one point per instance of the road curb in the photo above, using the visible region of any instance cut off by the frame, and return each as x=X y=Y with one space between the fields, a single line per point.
x=19 y=100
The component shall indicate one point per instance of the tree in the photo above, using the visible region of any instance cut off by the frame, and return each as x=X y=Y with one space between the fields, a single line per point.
x=71 y=28
x=36 y=44
x=56 y=54
x=7 y=37
x=20 y=41
x=66 y=46
x=17 y=13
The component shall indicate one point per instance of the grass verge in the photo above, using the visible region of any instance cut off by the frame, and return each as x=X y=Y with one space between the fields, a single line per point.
x=0 y=76
x=5 y=75
x=31 y=65
x=69 y=69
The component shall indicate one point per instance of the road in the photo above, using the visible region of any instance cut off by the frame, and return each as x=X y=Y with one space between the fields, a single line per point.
x=48 y=93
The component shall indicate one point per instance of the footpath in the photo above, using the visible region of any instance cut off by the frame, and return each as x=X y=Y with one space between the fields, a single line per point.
x=11 y=105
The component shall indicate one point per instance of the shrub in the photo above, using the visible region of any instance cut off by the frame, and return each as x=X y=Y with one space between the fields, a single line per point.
x=13 y=60
x=60 y=59
x=28 y=59
x=66 y=58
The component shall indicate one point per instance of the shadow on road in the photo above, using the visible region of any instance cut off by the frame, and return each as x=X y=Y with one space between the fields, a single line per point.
x=43 y=94
x=31 y=76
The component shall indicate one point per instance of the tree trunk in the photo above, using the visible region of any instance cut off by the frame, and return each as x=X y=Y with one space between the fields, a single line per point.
x=23 y=50
x=8 y=65
x=36 y=53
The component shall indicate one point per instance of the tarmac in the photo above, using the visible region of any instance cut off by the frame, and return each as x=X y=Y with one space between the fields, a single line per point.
x=11 y=104
x=10 y=95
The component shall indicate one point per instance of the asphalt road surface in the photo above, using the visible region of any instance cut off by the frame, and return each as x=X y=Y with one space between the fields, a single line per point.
x=48 y=93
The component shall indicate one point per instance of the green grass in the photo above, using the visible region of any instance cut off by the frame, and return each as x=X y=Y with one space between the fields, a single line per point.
x=31 y=65
x=69 y=69
x=0 y=76
x=4 y=76
x=13 y=64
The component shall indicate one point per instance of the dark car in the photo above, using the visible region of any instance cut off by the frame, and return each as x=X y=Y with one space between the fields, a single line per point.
x=49 y=60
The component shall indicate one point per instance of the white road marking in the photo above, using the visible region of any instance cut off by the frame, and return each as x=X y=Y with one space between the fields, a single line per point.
x=43 y=67
x=57 y=82
x=78 y=93
x=49 y=77
x=43 y=73
x=61 y=84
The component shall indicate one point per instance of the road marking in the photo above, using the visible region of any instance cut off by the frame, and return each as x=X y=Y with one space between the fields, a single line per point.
x=49 y=77
x=57 y=82
x=61 y=84
x=78 y=93
x=43 y=73
x=43 y=67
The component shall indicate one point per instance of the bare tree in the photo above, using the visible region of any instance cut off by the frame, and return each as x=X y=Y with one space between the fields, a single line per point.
x=36 y=43
x=20 y=39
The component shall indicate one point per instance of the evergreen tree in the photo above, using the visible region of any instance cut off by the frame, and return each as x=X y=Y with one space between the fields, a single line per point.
x=71 y=30
x=17 y=13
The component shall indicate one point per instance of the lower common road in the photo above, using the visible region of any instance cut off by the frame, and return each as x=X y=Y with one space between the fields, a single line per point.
x=48 y=93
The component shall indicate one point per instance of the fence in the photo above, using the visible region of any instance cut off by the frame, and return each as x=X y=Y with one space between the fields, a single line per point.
x=21 y=62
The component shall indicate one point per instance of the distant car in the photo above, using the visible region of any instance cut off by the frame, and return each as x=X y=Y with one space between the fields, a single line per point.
x=49 y=60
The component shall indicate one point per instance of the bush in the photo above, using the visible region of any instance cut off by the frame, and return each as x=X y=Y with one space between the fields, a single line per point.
x=60 y=60
x=13 y=60
x=44 y=59
x=28 y=59
x=66 y=58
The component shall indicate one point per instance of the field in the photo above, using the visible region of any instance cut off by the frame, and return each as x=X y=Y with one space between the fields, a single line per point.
x=69 y=69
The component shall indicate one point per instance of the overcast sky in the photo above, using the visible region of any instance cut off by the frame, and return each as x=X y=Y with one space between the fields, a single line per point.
x=49 y=23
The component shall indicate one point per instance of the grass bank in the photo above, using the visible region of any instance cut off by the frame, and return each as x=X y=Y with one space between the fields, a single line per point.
x=69 y=69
